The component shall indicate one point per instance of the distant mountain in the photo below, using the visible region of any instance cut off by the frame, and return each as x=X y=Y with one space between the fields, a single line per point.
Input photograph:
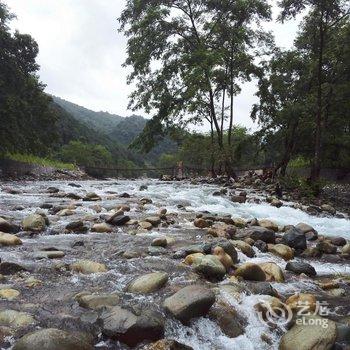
x=111 y=129
x=102 y=121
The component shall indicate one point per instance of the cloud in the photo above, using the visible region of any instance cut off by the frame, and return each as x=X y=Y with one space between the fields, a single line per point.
x=81 y=52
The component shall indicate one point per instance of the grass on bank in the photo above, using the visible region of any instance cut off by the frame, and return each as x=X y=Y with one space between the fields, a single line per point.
x=31 y=159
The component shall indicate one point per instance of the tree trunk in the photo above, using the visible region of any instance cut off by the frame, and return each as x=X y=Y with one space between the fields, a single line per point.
x=212 y=157
x=316 y=166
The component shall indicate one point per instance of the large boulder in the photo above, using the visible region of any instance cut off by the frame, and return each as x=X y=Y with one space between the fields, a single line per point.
x=300 y=267
x=262 y=234
x=131 y=328
x=16 y=319
x=10 y=268
x=210 y=266
x=34 y=223
x=229 y=248
x=97 y=301
x=294 y=238
x=270 y=225
x=302 y=302
x=309 y=231
x=201 y=223
x=310 y=333
x=273 y=272
x=326 y=247
x=101 y=228
x=118 y=219
x=345 y=251
x=148 y=283
x=251 y=272
x=7 y=227
x=7 y=239
x=53 y=339
x=88 y=266
x=282 y=251
x=244 y=247
x=190 y=302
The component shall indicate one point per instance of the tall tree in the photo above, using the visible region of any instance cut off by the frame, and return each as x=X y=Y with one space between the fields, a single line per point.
x=185 y=54
x=322 y=18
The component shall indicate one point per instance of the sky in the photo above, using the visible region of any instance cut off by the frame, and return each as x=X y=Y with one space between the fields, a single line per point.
x=81 y=52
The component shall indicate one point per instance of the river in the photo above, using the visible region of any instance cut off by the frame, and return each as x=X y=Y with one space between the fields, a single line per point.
x=54 y=300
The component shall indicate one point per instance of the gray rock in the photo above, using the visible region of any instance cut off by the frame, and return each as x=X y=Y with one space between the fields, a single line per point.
x=261 y=234
x=123 y=324
x=311 y=336
x=148 y=283
x=53 y=339
x=190 y=302
x=210 y=266
x=299 y=267
x=294 y=238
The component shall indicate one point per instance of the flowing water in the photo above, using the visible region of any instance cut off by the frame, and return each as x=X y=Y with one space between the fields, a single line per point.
x=53 y=301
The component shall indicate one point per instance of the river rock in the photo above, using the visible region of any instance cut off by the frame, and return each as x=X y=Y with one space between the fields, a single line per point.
x=283 y=251
x=311 y=335
x=101 y=228
x=302 y=302
x=251 y=272
x=191 y=258
x=345 y=251
x=145 y=225
x=210 y=266
x=66 y=212
x=239 y=222
x=328 y=208
x=123 y=324
x=338 y=241
x=262 y=234
x=88 y=266
x=76 y=226
x=300 y=267
x=309 y=231
x=326 y=247
x=92 y=196
x=13 y=318
x=148 y=283
x=166 y=344
x=34 y=222
x=52 y=339
x=190 y=302
x=276 y=203
x=49 y=254
x=160 y=242
x=294 y=238
x=7 y=227
x=118 y=219
x=270 y=225
x=273 y=272
x=229 y=248
x=9 y=293
x=146 y=200
x=154 y=220
x=201 y=223
x=227 y=318
x=238 y=199
x=244 y=247
x=9 y=268
x=8 y=239
x=261 y=245
x=97 y=301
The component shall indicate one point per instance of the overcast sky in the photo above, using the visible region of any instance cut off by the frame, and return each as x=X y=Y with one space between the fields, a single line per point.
x=81 y=52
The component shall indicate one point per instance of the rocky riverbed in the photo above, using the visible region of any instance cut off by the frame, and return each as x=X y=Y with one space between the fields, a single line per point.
x=170 y=265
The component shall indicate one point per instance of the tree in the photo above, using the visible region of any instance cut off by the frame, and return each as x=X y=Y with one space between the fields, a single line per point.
x=186 y=55
x=26 y=120
x=322 y=20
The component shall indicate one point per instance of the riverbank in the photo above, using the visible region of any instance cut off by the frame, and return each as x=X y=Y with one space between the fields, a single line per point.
x=80 y=254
